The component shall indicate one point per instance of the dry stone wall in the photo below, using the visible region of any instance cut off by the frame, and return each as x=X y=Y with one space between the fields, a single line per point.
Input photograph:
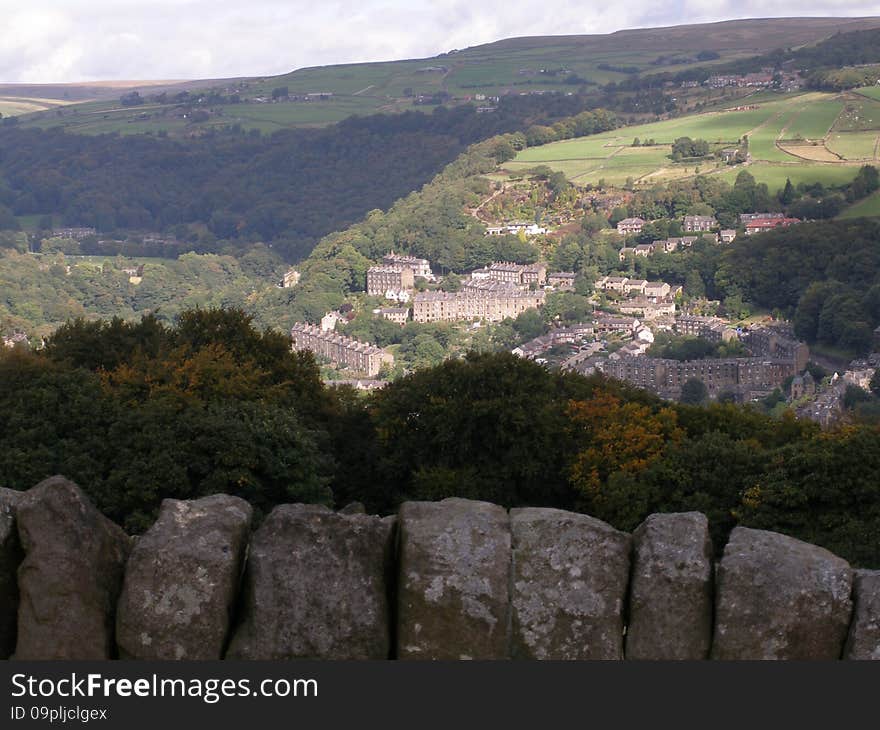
x=455 y=579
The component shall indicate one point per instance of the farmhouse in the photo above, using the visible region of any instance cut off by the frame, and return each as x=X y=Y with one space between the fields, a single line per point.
x=631 y=225
x=699 y=223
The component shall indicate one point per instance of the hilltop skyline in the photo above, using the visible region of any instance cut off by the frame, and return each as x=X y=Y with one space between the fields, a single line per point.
x=51 y=41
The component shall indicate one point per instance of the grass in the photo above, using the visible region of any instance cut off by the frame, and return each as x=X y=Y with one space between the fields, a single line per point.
x=869 y=207
x=854 y=145
x=611 y=157
x=814 y=121
x=859 y=114
x=872 y=92
x=775 y=175
x=518 y=65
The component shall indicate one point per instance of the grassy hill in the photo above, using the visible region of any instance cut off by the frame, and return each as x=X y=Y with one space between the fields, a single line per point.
x=808 y=137
x=511 y=66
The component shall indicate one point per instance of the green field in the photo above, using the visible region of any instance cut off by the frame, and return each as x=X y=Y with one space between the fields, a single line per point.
x=775 y=175
x=814 y=121
x=610 y=156
x=513 y=66
x=869 y=207
x=872 y=92
x=854 y=145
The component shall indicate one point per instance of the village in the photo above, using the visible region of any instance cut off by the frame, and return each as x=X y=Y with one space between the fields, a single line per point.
x=618 y=339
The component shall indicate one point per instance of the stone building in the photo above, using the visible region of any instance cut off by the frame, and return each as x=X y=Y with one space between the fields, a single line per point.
x=489 y=303
x=713 y=329
x=340 y=350
x=631 y=225
x=699 y=223
x=399 y=315
x=750 y=377
x=382 y=279
x=421 y=268
x=777 y=342
x=562 y=279
x=518 y=274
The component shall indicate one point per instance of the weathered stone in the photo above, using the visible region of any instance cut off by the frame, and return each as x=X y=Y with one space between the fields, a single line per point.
x=570 y=574
x=864 y=631
x=181 y=580
x=353 y=508
x=71 y=574
x=670 y=605
x=780 y=598
x=315 y=587
x=10 y=558
x=453 y=580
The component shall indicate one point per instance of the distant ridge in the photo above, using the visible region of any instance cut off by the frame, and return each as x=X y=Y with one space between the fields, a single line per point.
x=764 y=33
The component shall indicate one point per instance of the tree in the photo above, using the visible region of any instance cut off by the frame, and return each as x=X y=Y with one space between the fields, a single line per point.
x=694 y=392
x=875 y=383
x=614 y=436
x=786 y=197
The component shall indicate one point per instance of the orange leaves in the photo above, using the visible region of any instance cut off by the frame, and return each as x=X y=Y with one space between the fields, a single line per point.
x=204 y=374
x=616 y=436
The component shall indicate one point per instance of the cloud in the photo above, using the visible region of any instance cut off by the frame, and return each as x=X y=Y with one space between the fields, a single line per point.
x=87 y=40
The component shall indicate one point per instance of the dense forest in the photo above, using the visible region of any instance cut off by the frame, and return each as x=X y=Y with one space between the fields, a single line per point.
x=287 y=189
x=136 y=412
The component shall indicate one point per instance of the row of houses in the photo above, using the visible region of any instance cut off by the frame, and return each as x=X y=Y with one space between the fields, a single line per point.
x=654 y=290
x=508 y=272
x=751 y=222
x=750 y=377
x=340 y=350
x=488 y=303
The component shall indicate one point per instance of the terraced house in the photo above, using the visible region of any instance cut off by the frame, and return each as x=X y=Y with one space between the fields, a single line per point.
x=338 y=349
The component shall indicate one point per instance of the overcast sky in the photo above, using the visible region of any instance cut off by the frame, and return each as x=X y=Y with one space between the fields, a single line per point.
x=87 y=40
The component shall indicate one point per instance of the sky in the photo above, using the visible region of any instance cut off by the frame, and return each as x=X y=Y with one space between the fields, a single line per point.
x=50 y=41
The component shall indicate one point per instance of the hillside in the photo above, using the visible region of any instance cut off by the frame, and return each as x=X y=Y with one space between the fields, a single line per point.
x=805 y=137
x=511 y=66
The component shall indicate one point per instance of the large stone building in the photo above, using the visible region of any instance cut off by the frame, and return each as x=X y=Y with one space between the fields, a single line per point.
x=492 y=302
x=339 y=349
x=749 y=377
x=777 y=342
x=384 y=279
